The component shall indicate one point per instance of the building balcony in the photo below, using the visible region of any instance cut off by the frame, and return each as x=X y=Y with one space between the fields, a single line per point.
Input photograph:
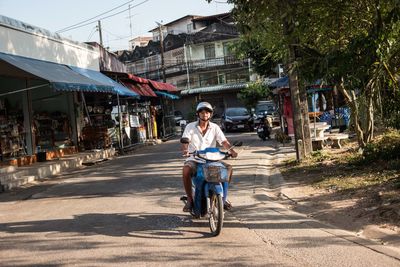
x=179 y=68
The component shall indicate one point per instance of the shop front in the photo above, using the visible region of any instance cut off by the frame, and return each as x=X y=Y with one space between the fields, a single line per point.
x=138 y=121
x=38 y=108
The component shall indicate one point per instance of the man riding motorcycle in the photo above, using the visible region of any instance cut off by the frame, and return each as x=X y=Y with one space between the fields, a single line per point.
x=201 y=135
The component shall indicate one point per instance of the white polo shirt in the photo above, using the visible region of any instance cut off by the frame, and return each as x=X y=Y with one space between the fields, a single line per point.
x=197 y=141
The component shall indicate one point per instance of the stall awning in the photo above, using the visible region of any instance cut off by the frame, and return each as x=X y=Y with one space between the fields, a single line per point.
x=167 y=95
x=98 y=76
x=216 y=88
x=130 y=77
x=282 y=82
x=163 y=86
x=141 y=89
x=60 y=77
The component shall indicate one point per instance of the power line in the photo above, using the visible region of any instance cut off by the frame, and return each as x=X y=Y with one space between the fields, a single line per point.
x=79 y=25
x=91 y=34
x=66 y=28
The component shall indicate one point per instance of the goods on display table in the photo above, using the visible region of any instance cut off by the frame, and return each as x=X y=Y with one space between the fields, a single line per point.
x=96 y=137
x=53 y=130
x=95 y=133
x=12 y=139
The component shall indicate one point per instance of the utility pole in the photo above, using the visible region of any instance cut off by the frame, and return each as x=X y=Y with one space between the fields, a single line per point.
x=187 y=66
x=100 y=33
x=162 y=51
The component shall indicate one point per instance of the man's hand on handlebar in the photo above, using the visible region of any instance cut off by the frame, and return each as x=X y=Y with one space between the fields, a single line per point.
x=185 y=153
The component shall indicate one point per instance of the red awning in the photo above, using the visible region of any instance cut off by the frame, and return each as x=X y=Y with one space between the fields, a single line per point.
x=163 y=86
x=141 y=89
x=137 y=79
x=124 y=77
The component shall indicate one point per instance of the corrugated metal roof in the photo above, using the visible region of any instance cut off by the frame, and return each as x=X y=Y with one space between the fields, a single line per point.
x=280 y=83
x=216 y=88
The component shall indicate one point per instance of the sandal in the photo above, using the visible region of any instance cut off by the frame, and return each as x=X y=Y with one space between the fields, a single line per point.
x=188 y=207
x=227 y=205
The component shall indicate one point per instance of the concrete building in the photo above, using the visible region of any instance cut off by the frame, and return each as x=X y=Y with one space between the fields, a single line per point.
x=197 y=58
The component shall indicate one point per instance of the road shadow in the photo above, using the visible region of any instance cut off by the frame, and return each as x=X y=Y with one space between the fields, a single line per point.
x=153 y=225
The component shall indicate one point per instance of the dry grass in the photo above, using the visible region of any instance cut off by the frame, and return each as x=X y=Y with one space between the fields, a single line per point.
x=341 y=174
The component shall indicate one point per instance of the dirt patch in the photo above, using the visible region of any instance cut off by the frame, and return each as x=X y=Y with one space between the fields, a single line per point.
x=333 y=187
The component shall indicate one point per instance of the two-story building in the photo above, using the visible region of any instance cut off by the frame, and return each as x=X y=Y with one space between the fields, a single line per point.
x=194 y=53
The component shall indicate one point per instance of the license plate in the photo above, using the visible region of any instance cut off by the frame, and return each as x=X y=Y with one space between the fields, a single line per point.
x=240 y=126
x=259 y=130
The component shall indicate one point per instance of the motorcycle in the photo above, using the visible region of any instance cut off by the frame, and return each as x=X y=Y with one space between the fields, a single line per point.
x=210 y=186
x=182 y=124
x=264 y=128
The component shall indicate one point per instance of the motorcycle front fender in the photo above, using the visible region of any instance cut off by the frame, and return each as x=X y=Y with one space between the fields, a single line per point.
x=216 y=188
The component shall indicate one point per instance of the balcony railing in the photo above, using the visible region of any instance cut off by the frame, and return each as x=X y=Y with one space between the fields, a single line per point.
x=192 y=65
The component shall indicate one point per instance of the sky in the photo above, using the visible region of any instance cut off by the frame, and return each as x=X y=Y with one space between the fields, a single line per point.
x=117 y=29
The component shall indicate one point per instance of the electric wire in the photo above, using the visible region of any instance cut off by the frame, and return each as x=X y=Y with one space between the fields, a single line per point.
x=79 y=25
x=66 y=28
x=91 y=34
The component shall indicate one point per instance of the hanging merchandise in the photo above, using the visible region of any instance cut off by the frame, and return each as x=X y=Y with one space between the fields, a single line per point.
x=98 y=126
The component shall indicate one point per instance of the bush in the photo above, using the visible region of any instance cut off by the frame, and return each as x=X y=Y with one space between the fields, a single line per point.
x=386 y=147
x=281 y=137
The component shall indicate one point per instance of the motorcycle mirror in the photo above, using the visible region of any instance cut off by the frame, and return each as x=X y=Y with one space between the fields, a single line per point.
x=185 y=140
x=237 y=143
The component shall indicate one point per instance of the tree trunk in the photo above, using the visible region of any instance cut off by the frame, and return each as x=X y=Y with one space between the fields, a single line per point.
x=298 y=97
x=369 y=135
x=300 y=111
x=351 y=101
x=306 y=121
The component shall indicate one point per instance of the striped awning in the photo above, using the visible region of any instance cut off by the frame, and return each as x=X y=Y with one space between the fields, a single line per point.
x=60 y=77
x=98 y=76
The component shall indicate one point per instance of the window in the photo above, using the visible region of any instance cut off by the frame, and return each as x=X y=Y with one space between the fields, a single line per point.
x=189 y=27
x=221 y=79
x=227 y=49
x=209 y=51
x=208 y=79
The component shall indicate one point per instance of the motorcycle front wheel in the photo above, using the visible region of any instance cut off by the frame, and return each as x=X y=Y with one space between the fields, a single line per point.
x=216 y=216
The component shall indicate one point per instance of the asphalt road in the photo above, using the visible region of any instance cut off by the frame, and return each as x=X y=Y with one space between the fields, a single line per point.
x=126 y=212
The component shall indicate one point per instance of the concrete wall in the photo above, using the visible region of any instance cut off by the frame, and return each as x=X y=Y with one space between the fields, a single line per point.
x=22 y=39
x=196 y=52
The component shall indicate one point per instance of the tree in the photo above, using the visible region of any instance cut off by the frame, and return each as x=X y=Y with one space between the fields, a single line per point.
x=273 y=25
x=253 y=93
x=353 y=45
x=262 y=61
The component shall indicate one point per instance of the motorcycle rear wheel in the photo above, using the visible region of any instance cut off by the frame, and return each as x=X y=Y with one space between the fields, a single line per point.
x=216 y=216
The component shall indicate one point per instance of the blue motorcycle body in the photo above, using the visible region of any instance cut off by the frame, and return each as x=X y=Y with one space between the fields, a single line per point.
x=204 y=188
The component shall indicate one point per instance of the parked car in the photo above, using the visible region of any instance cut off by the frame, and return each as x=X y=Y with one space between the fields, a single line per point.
x=266 y=108
x=237 y=118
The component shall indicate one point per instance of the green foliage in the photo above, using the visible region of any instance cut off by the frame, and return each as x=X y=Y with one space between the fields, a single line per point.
x=319 y=155
x=262 y=60
x=254 y=92
x=386 y=147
